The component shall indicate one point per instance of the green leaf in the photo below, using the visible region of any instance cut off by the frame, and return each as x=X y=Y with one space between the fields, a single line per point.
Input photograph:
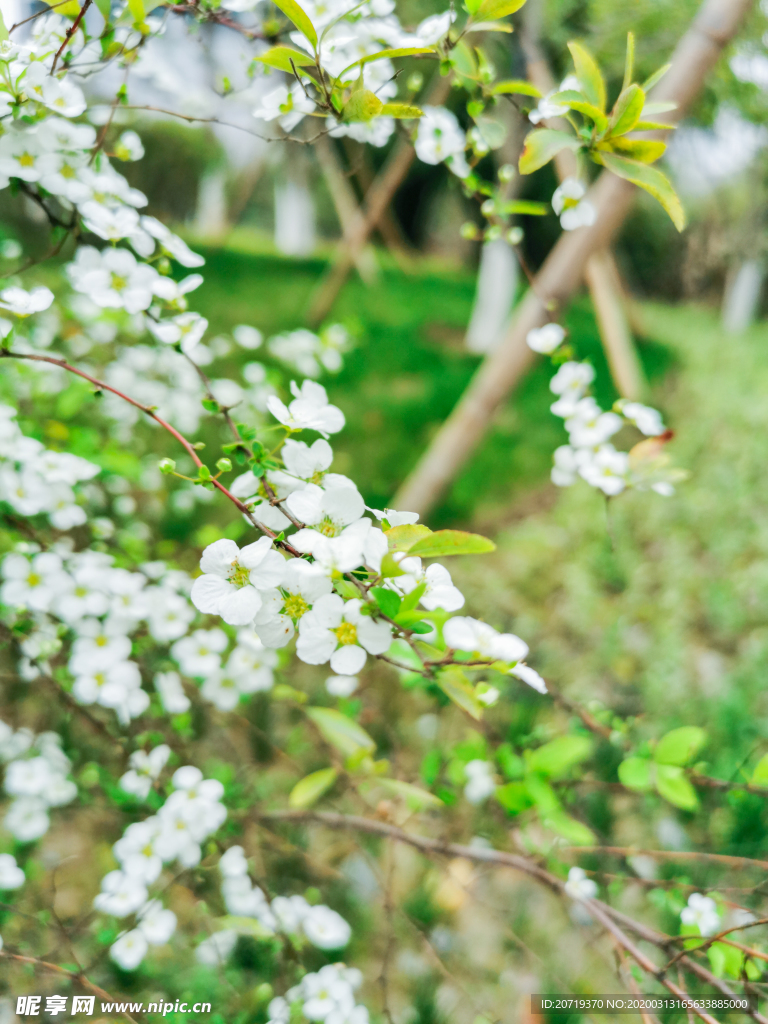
x=542 y=794
x=574 y=100
x=489 y=26
x=401 y=111
x=629 y=62
x=680 y=746
x=626 y=111
x=390 y=568
x=463 y=61
x=4 y=30
x=341 y=732
x=295 y=13
x=387 y=600
x=309 y=790
x=636 y=773
x=458 y=688
x=514 y=797
x=515 y=85
x=541 y=145
x=473 y=6
x=672 y=784
x=281 y=56
x=527 y=206
x=657 y=76
x=403 y=51
x=415 y=797
x=490 y=10
x=569 y=828
x=138 y=11
x=651 y=180
x=654 y=126
x=411 y=600
x=105 y=9
x=362 y=105
x=451 y=542
x=760 y=774
x=589 y=76
x=557 y=756
x=660 y=107
x=401 y=538
x=645 y=151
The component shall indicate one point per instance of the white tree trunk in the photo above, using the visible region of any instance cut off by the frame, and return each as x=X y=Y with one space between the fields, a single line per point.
x=211 y=214
x=496 y=285
x=294 y=218
x=742 y=296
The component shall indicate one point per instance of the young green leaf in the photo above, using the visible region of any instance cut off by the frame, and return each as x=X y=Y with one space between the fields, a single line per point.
x=491 y=10
x=458 y=688
x=401 y=111
x=415 y=797
x=636 y=773
x=341 y=732
x=4 y=30
x=401 y=538
x=660 y=107
x=680 y=746
x=410 y=601
x=575 y=100
x=403 y=51
x=387 y=600
x=362 y=105
x=541 y=145
x=515 y=85
x=514 y=797
x=672 y=784
x=308 y=791
x=646 y=151
x=489 y=26
x=281 y=56
x=525 y=206
x=654 y=126
x=650 y=179
x=451 y=542
x=138 y=11
x=626 y=111
x=569 y=828
x=629 y=62
x=556 y=757
x=589 y=76
x=295 y=13
x=657 y=76
x=760 y=774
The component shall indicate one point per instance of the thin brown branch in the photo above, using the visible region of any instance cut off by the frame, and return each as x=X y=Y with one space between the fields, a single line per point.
x=70 y=32
x=631 y=851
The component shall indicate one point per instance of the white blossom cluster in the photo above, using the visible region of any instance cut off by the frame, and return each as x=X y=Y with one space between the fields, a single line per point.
x=289 y=915
x=191 y=814
x=327 y=995
x=35 y=777
x=34 y=480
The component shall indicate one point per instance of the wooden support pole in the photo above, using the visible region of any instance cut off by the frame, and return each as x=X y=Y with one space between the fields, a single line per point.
x=562 y=271
x=345 y=203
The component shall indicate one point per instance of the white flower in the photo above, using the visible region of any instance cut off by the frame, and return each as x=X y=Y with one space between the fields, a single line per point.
x=23 y=303
x=216 y=949
x=325 y=928
x=481 y=782
x=530 y=676
x=156 y=924
x=547 y=109
x=169 y=615
x=309 y=410
x=439 y=591
x=578 y=886
x=232 y=579
x=33 y=583
x=393 y=517
x=221 y=689
x=566 y=468
x=286 y=104
x=59 y=174
x=129 y=950
x=431 y=30
x=113 y=279
x=341 y=686
x=199 y=653
x=27 y=819
x=545 y=339
x=328 y=508
x=570 y=382
x=121 y=894
x=571 y=207
x=11 y=875
x=20 y=156
x=173 y=245
x=111 y=223
x=440 y=137
x=129 y=147
x=607 y=470
x=251 y=663
x=647 y=420
x=467 y=634
x=145 y=768
x=302 y=585
x=247 y=337
x=135 y=851
x=172 y=696
x=702 y=912
x=588 y=426
x=186 y=328
x=342 y=633
x=232 y=863
x=307 y=461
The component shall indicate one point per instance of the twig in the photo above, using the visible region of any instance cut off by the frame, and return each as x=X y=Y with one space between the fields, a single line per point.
x=70 y=32
x=630 y=851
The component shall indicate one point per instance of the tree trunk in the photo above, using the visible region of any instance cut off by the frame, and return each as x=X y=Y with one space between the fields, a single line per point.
x=345 y=202
x=562 y=271
x=742 y=296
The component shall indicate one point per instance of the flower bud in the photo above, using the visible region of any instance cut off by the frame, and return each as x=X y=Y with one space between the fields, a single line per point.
x=468 y=230
x=166 y=466
x=515 y=236
x=488 y=208
x=507 y=172
x=493 y=232
x=264 y=992
x=415 y=81
x=224 y=465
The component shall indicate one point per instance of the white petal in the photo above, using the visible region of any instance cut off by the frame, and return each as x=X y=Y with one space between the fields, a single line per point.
x=209 y=591
x=219 y=556
x=348 y=660
x=240 y=607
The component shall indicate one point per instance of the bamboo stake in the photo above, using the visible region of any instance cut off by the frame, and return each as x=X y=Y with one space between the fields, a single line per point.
x=696 y=54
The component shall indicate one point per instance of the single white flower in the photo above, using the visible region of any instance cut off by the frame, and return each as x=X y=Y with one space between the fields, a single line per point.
x=121 y=894
x=309 y=410
x=286 y=104
x=578 y=886
x=232 y=579
x=439 y=591
x=607 y=470
x=588 y=426
x=570 y=382
x=702 y=912
x=481 y=783
x=156 y=923
x=571 y=207
x=340 y=632
x=325 y=928
x=11 y=875
x=330 y=508
x=145 y=769
x=171 y=692
x=24 y=303
x=200 y=653
x=393 y=517
x=545 y=339
x=647 y=420
x=467 y=634
x=439 y=136
x=129 y=950
x=341 y=686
